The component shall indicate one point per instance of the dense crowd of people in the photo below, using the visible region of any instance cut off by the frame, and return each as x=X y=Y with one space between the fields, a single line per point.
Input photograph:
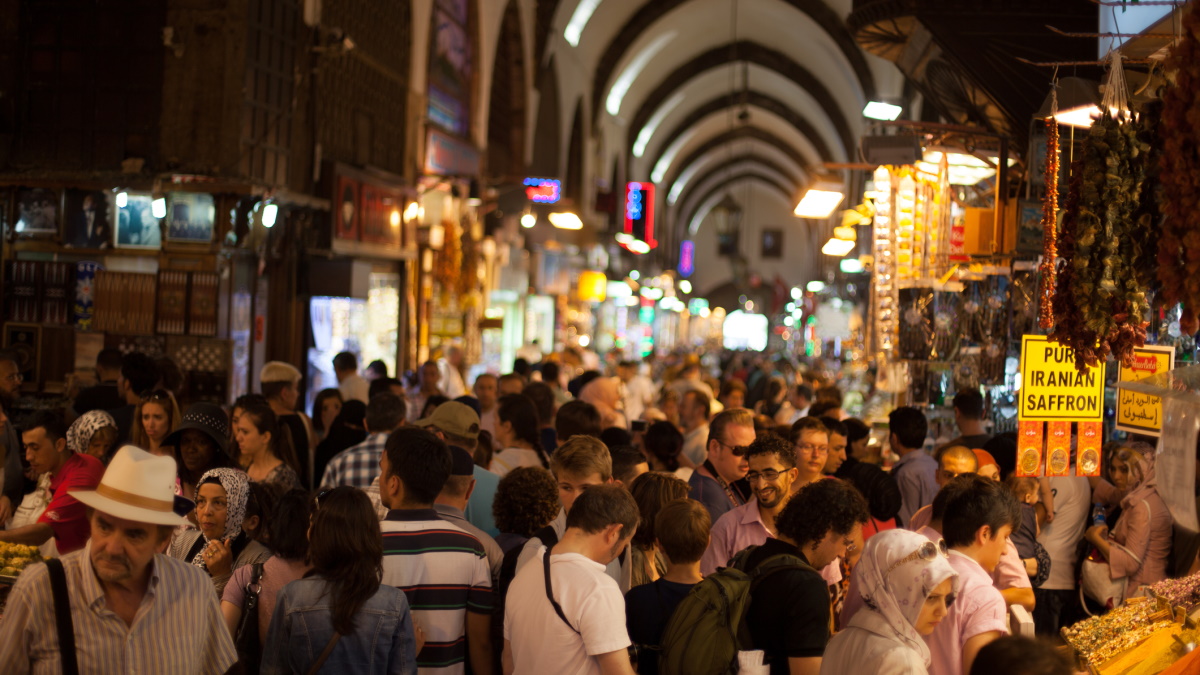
x=670 y=517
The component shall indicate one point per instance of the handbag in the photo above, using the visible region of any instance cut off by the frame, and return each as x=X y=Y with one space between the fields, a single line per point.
x=246 y=639
x=1095 y=578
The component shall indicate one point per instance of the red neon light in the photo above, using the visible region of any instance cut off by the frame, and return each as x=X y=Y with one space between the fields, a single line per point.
x=639 y=207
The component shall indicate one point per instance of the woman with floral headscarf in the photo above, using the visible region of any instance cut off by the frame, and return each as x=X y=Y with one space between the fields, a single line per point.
x=220 y=546
x=907 y=584
x=1138 y=547
x=93 y=433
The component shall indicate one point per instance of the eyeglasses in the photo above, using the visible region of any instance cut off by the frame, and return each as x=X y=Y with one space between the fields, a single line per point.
x=928 y=552
x=809 y=448
x=770 y=476
x=737 y=450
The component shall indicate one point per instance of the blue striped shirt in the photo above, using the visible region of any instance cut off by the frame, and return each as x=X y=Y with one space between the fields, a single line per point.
x=178 y=628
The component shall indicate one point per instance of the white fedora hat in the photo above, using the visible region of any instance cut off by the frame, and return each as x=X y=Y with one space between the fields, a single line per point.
x=138 y=486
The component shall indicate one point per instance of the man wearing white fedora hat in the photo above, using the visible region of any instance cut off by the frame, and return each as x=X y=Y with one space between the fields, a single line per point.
x=118 y=606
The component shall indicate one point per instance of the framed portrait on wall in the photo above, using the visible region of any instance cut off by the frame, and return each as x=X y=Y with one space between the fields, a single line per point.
x=37 y=212
x=772 y=243
x=23 y=341
x=86 y=221
x=136 y=226
x=191 y=217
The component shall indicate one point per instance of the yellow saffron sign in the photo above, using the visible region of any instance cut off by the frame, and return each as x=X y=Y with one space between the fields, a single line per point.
x=1052 y=390
x=1138 y=412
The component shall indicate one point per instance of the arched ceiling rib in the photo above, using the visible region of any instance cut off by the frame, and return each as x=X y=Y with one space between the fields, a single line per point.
x=653 y=10
x=731 y=136
x=753 y=53
x=719 y=156
x=754 y=98
x=698 y=214
x=712 y=185
x=699 y=187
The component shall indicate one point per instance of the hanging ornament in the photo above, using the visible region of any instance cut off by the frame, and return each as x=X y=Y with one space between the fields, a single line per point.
x=1049 y=218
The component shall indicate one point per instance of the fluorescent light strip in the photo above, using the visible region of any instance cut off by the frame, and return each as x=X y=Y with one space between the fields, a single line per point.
x=579 y=19
x=621 y=87
x=647 y=132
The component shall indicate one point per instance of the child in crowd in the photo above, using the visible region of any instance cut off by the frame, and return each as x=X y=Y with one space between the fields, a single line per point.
x=681 y=533
x=1024 y=537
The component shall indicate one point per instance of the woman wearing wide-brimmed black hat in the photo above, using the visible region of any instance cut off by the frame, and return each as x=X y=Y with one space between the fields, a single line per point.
x=201 y=444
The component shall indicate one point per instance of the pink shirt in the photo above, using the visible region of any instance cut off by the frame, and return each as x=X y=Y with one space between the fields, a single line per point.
x=1010 y=573
x=740 y=527
x=978 y=608
x=277 y=573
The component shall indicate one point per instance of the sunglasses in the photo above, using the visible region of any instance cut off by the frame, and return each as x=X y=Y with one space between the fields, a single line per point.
x=320 y=495
x=928 y=552
x=737 y=450
x=156 y=395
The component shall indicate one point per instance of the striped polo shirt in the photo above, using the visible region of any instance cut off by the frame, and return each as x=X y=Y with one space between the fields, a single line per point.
x=444 y=572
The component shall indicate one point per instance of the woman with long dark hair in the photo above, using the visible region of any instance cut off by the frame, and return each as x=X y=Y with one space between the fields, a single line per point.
x=266 y=446
x=517 y=431
x=339 y=617
x=326 y=406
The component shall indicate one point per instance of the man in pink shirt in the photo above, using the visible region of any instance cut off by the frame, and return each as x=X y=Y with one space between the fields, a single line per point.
x=978 y=518
x=772 y=472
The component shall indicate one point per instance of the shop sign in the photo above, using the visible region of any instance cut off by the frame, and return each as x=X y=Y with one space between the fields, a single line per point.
x=448 y=156
x=1052 y=390
x=687 y=258
x=543 y=190
x=639 y=212
x=958 y=241
x=1137 y=412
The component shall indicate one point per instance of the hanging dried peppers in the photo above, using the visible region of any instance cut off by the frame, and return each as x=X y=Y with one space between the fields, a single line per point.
x=1179 y=244
x=1102 y=283
x=1049 y=216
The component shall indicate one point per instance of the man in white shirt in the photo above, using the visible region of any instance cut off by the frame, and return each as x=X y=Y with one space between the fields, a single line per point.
x=694 y=410
x=575 y=624
x=350 y=383
x=1057 y=596
x=486 y=392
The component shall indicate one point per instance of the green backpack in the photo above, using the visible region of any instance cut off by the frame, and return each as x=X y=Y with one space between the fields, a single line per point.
x=708 y=628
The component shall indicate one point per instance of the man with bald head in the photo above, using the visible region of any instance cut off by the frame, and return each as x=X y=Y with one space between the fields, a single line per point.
x=952 y=462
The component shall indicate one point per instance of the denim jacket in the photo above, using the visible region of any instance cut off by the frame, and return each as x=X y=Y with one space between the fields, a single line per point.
x=383 y=642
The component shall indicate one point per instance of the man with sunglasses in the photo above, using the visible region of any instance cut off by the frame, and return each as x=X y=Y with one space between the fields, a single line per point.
x=978 y=517
x=717 y=483
x=772 y=472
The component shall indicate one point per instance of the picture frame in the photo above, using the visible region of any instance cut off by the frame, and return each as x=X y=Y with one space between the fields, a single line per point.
x=347 y=212
x=191 y=218
x=1029 y=227
x=24 y=342
x=135 y=224
x=38 y=211
x=772 y=243
x=86 y=219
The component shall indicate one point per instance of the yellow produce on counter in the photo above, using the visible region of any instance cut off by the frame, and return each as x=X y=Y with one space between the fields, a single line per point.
x=16 y=557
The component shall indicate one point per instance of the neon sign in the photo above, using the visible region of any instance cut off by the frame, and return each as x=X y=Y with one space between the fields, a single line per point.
x=639 y=213
x=543 y=190
x=687 y=258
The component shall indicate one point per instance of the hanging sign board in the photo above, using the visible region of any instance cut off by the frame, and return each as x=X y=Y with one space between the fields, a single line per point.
x=1138 y=412
x=1052 y=390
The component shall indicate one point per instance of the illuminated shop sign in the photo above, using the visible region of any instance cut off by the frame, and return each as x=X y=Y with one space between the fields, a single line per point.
x=639 y=213
x=543 y=190
x=687 y=258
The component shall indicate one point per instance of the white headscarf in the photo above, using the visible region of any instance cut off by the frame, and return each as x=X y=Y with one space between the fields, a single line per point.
x=237 y=491
x=899 y=597
x=81 y=431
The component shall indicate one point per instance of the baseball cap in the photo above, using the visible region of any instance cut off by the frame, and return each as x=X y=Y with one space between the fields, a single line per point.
x=278 y=371
x=454 y=418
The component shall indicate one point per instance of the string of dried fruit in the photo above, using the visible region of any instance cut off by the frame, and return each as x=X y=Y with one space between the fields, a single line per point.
x=1049 y=216
x=1179 y=244
x=1069 y=328
x=1124 y=245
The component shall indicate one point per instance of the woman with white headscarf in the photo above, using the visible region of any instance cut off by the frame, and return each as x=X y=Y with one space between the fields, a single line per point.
x=907 y=584
x=220 y=546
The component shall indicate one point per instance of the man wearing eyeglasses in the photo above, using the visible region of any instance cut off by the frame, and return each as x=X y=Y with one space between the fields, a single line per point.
x=810 y=439
x=772 y=472
x=717 y=483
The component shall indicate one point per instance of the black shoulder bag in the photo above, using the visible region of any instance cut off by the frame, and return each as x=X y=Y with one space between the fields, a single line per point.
x=62 y=616
x=550 y=592
x=249 y=646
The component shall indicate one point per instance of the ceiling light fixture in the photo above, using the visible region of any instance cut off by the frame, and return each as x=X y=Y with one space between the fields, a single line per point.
x=821 y=198
x=878 y=110
x=837 y=247
x=565 y=221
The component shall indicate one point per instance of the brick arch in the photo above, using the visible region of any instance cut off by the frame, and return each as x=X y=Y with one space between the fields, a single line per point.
x=756 y=54
x=698 y=182
x=730 y=137
x=507 y=102
x=753 y=98
x=653 y=10
x=681 y=223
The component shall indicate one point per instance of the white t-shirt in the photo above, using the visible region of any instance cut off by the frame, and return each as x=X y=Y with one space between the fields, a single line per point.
x=592 y=603
x=1072 y=504
x=510 y=458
